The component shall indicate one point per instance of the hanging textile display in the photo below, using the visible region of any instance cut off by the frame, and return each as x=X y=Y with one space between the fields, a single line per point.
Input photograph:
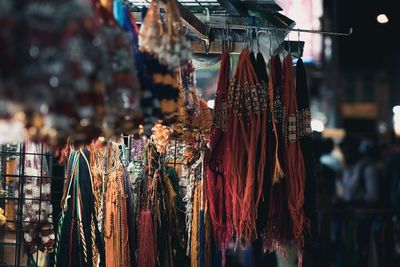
x=160 y=89
x=164 y=48
x=79 y=69
x=264 y=203
x=218 y=193
x=122 y=98
x=153 y=176
x=175 y=48
x=256 y=178
x=79 y=241
x=278 y=230
x=294 y=163
x=164 y=40
x=305 y=138
x=159 y=203
x=131 y=204
x=115 y=229
x=247 y=104
x=68 y=60
x=37 y=206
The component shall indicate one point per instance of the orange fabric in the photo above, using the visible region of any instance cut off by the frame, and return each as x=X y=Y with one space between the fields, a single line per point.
x=9 y=209
x=116 y=223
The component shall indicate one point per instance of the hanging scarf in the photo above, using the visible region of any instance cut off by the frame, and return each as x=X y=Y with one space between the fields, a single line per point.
x=267 y=131
x=294 y=163
x=116 y=233
x=305 y=138
x=79 y=242
x=160 y=206
x=217 y=185
x=246 y=104
x=278 y=228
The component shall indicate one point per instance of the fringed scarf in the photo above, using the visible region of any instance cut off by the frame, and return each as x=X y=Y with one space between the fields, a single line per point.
x=294 y=163
x=246 y=105
x=217 y=185
x=147 y=247
x=116 y=231
x=159 y=201
x=149 y=213
x=264 y=148
x=78 y=239
x=160 y=88
x=278 y=228
x=304 y=133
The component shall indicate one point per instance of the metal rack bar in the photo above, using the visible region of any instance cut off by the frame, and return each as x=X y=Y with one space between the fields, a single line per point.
x=274 y=29
x=20 y=207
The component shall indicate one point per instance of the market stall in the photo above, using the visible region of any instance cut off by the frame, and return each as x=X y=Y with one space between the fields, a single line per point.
x=121 y=162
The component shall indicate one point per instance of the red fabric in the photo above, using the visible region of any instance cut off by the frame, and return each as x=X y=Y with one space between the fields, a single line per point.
x=279 y=226
x=294 y=163
x=243 y=131
x=217 y=193
x=147 y=246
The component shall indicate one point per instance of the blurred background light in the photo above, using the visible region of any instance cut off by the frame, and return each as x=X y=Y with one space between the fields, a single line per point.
x=382 y=18
x=317 y=125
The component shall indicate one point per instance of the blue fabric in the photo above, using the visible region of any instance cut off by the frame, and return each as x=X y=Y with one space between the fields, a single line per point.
x=116 y=11
x=201 y=245
x=216 y=255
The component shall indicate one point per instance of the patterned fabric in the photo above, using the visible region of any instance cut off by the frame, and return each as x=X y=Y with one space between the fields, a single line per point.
x=37 y=208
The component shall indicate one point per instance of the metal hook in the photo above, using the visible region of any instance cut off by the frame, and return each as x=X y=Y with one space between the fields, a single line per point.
x=244 y=38
x=187 y=30
x=230 y=41
x=277 y=40
x=270 y=44
x=298 y=42
x=223 y=39
x=207 y=45
x=251 y=38
x=247 y=37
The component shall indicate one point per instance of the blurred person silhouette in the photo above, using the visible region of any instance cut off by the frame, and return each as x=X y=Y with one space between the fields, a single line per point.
x=327 y=157
x=358 y=186
x=356 y=190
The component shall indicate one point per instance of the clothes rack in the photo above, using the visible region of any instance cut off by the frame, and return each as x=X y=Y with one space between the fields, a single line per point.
x=208 y=46
x=275 y=29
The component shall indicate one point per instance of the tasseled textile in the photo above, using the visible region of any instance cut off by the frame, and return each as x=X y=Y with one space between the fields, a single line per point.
x=305 y=139
x=294 y=163
x=246 y=125
x=147 y=246
x=78 y=238
x=217 y=185
x=116 y=233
